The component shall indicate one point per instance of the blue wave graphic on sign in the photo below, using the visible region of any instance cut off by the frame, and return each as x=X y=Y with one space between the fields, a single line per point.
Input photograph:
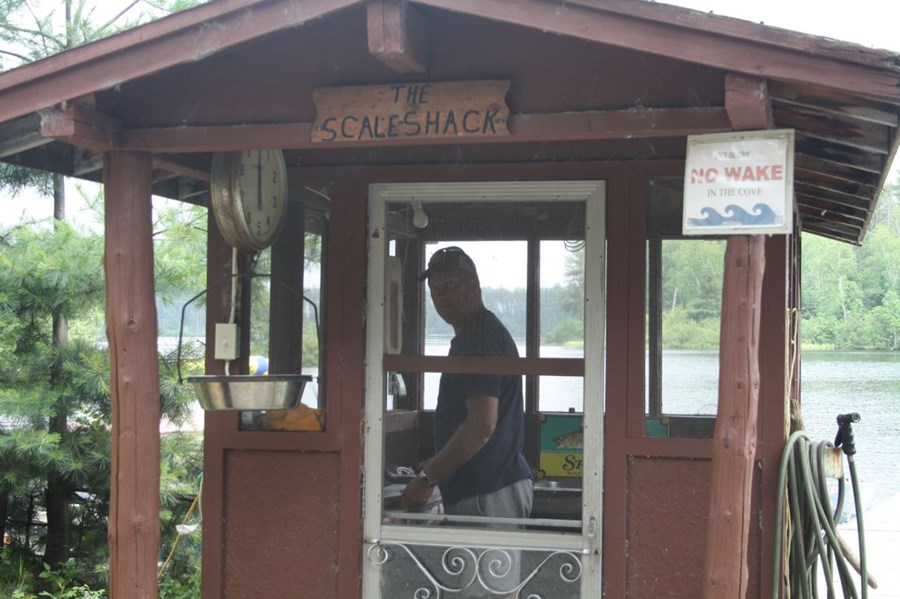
x=733 y=215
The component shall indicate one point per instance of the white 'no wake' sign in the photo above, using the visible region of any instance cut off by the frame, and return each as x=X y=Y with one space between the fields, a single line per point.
x=739 y=183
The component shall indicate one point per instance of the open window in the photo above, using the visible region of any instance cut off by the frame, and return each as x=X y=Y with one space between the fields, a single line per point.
x=684 y=296
x=288 y=314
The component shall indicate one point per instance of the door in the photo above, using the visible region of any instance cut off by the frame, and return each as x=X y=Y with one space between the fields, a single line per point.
x=539 y=249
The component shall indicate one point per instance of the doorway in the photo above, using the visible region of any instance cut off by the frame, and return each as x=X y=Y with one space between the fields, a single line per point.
x=539 y=248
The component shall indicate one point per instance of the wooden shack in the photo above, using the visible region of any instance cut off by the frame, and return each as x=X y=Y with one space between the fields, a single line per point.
x=529 y=124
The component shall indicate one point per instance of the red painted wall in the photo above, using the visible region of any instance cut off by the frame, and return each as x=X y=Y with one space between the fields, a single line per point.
x=280 y=524
x=284 y=511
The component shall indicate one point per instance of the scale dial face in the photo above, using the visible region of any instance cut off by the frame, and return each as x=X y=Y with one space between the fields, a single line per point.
x=249 y=197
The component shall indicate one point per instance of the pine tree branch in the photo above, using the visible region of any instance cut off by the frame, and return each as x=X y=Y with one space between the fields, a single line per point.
x=15 y=29
x=15 y=55
x=112 y=21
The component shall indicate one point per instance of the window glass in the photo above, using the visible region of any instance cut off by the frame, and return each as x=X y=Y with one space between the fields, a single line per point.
x=562 y=295
x=288 y=315
x=684 y=294
x=561 y=321
x=502 y=272
x=504 y=241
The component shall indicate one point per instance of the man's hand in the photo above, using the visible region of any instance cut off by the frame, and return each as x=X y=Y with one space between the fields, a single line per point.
x=466 y=441
x=415 y=494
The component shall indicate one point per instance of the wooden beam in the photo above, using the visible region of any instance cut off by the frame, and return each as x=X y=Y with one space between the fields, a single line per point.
x=827 y=234
x=217 y=424
x=877 y=148
x=82 y=128
x=396 y=35
x=747 y=102
x=779 y=378
x=286 y=294
x=838 y=153
x=176 y=166
x=832 y=230
x=648 y=123
x=726 y=568
x=837 y=103
x=219 y=138
x=835 y=216
x=834 y=195
x=189 y=191
x=835 y=170
x=345 y=365
x=618 y=124
x=485 y=365
x=20 y=135
x=820 y=207
x=862 y=135
x=618 y=26
x=86 y=161
x=824 y=180
x=134 y=386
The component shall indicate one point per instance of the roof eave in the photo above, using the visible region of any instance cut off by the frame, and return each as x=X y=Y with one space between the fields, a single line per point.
x=182 y=38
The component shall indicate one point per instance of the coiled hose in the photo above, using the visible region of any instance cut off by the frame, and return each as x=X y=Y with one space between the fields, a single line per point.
x=813 y=539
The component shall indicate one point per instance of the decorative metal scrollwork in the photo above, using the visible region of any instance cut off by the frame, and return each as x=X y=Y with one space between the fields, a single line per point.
x=467 y=569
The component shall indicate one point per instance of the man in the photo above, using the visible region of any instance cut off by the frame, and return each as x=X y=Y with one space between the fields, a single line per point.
x=479 y=420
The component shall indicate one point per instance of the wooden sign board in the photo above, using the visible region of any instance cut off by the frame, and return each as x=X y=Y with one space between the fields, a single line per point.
x=411 y=110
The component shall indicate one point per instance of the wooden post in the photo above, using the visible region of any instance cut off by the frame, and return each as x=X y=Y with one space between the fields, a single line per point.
x=134 y=385
x=396 y=33
x=286 y=289
x=726 y=568
x=218 y=424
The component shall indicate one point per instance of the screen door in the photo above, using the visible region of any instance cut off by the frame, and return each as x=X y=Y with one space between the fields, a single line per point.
x=539 y=249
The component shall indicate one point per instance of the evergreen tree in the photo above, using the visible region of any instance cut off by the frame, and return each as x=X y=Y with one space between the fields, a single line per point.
x=54 y=403
x=53 y=395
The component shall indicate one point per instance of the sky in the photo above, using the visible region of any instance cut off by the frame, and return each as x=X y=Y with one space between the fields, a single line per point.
x=871 y=23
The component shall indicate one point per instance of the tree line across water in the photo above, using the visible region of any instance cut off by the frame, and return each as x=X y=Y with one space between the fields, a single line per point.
x=850 y=296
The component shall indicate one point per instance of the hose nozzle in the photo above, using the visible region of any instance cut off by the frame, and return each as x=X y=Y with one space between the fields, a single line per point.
x=844 y=436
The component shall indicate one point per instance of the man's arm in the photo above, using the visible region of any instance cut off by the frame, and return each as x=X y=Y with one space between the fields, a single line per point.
x=467 y=440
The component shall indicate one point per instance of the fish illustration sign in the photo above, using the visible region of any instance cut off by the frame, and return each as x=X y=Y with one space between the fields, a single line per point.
x=739 y=183
x=562 y=445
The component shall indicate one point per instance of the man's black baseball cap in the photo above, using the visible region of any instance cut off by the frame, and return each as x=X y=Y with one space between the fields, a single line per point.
x=448 y=259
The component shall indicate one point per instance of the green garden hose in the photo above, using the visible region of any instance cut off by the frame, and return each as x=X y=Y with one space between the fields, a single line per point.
x=813 y=539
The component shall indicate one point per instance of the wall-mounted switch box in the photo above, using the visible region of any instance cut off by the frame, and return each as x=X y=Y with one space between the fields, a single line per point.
x=227 y=341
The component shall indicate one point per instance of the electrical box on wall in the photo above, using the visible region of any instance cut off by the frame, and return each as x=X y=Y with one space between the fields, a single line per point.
x=227 y=341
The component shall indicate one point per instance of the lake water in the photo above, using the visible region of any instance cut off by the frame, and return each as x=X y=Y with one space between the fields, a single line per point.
x=863 y=382
x=832 y=383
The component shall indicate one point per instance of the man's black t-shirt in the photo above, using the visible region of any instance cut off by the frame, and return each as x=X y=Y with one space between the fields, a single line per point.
x=500 y=462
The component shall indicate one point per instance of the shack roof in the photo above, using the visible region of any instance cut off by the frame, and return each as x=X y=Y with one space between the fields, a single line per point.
x=591 y=80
